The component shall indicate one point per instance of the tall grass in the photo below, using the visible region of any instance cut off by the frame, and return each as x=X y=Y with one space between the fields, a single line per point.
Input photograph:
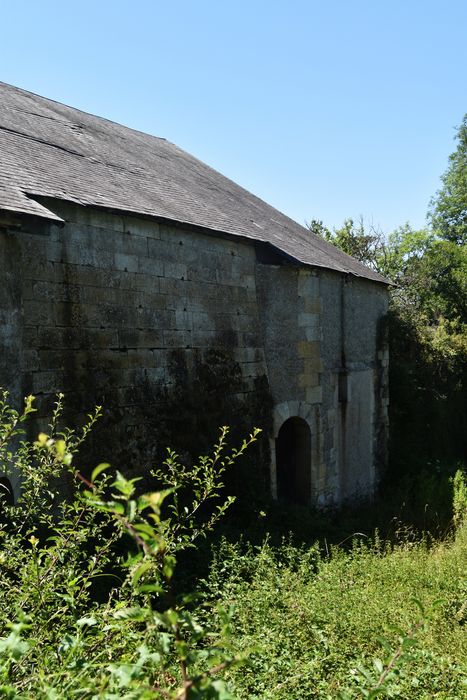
x=320 y=625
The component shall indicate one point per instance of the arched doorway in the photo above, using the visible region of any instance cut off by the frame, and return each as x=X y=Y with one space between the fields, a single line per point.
x=6 y=492
x=293 y=461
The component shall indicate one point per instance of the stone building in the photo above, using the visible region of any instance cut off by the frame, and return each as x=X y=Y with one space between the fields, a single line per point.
x=127 y=263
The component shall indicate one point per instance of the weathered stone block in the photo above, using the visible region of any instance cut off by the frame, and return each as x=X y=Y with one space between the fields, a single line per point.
x=314 y=394
x=176 y=270
x=128 y=244
x=173 y=287
x=184 y=320
x=30 y=360
x=309 y=350
x=40 y=313
x=133 y=338
x=177 y=339
x=203 y=339
x=50 y=382
x=128 y=263
x=312 y=305
x=140 y=227
x=151 y=266
x=308 y=284
x=308 y=380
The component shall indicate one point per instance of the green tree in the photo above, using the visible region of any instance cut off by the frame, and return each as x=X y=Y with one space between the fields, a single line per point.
x=428 y=319
x=365 y=243
x=448 y=209
x=430 y=274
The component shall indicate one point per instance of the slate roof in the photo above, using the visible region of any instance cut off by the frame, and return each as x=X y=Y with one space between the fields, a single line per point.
x=48 y=149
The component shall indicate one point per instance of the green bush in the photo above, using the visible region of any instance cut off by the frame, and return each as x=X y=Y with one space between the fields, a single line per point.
x=89 y=609
x=459 y=497
x=373 y=621
x=56 y=639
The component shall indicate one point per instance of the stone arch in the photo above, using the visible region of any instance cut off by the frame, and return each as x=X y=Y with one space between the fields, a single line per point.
x=301 y=432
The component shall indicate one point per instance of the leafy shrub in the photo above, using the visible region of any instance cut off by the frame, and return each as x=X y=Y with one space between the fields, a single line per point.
x=459 y=497
x=56 y=640
x=376 y=620
x=88 y=607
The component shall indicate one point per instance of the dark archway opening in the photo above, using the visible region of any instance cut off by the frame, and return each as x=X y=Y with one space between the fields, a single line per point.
x=293 y=461
x=6 y=492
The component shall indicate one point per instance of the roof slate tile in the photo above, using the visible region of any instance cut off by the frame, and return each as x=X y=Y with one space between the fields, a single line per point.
x=50 y=150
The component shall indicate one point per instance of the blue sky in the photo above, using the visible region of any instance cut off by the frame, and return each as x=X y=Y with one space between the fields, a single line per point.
x=326 y=110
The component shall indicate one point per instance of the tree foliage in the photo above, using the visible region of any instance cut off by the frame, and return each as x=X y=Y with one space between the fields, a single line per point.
x=448 y=210
x=428 y=319
x=356 y=239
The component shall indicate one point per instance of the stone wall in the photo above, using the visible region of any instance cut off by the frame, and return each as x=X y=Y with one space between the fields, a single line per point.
x=128 y=312
x=108 y=302
x=327 y=361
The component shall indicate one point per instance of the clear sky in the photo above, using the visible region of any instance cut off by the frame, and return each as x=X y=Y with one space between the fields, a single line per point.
x=324 y=109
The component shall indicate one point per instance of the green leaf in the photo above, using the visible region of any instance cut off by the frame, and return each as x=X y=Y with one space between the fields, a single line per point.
x=419 y=605
x=145 y=529
x=131 y=510
x=98 y=470
x=133 y=613
x=68 y=642
x=150 y=588
x=14 y=646
x=378 y=664
x=124 y=673
x=125 y=486
x=168 y=566
x=86 y=622
x=142 y=568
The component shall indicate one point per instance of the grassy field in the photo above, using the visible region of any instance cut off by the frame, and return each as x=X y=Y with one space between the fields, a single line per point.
x=329 y=625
